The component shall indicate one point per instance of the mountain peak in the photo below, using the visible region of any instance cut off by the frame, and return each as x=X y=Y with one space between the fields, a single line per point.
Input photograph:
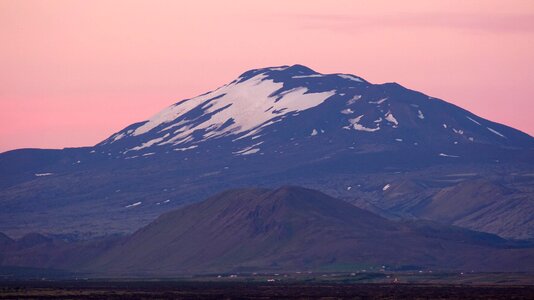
x=300 y=69
x=278 y=71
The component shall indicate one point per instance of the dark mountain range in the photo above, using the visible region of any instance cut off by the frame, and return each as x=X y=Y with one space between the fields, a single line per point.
x=287 y=229
x=397 y=152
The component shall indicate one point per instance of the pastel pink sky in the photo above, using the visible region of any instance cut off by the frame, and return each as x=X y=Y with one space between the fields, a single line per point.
x=74 y=72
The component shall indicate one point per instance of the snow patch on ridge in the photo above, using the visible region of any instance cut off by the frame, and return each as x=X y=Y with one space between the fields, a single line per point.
x=306 y=76
x=474 y=121
x=496 y=132
x=350 y=77
x=118 y=136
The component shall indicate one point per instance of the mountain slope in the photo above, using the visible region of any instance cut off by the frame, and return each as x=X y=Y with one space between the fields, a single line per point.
x=270 y=127
x=296 y=229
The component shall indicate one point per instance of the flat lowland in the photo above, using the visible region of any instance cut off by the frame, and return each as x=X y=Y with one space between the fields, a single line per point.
x=233 y=288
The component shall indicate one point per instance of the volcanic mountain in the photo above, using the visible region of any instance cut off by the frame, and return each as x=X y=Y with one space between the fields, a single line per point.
x=292 y=229
x=379 y=146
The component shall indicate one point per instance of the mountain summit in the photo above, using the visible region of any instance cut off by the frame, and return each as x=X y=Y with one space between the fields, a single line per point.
x=383 y=147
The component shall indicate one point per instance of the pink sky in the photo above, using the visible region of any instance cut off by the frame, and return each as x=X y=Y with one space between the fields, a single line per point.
x=74 y=72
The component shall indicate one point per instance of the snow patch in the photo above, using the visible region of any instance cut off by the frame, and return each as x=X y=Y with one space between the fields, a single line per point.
x=390 y=118
x=350 y=77
x=354 y=123
x=472 y=120
x=420 y=114
x=118 y=136
x=496 y=132
x=43 y=174
x=458 y=131
x=307 y=76
x=387 y=186
x=314 y=132
x=186 y=148
x=354 y=99
x=448 y=155
x=278 y=68
x=379 y=101
x=133 y=204
x=347 y=111
x=148 y=154
x=149 y=143
x=249 y=150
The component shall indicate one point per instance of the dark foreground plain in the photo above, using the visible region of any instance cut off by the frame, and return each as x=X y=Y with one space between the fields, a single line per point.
x=409 y=285
x=256 y=290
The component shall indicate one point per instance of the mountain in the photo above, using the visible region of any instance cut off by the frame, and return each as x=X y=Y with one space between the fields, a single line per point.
x=287 y=229
x=379 y=146
x=296 y=229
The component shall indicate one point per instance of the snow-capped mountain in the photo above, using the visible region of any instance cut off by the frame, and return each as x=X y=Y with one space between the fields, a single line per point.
x=263 y=109
x=382 y=147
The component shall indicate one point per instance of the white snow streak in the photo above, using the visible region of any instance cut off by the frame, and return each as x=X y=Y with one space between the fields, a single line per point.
x=43 y=174
x=249 y=150
x=186 y=148
x=474 y=121
x=496 y=132
x=306 y=76
x=378 y=101
x=149 y=143
x=350 y=77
